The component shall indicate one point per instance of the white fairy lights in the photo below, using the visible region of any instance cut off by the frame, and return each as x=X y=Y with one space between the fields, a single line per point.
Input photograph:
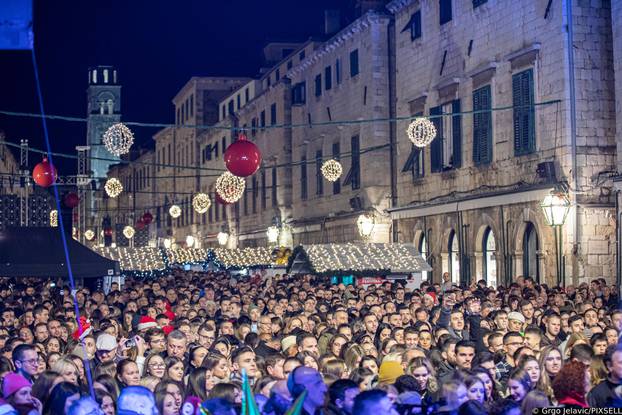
x=201 y=202
x=118 y=139
x=113 y=187
x=89 y=234
x=174 y=211
x=53 y=218
x=421 y=132
x=331 y=170
x=230 y=187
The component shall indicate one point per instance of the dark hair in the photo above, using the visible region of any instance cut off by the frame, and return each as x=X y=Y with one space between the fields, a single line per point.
x=58 y=396
x=225 y=391
x=365 y=399
x=472 y=408
x=582 y=352
x=465 y=343
x=239 y=351
x=406 y=383
x=41 y=387
x=18 y=352
x=101 y=394
x=339 y=387
x=196 y=383
x=120 y=368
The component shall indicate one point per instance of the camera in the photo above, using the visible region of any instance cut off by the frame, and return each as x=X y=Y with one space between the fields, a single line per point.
x=130 y=342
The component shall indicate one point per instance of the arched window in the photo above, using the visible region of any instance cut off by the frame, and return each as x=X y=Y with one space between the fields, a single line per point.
x=110 y=104
x=423 y=250
x=454 y=258
x=490 y=264
x=531 y=246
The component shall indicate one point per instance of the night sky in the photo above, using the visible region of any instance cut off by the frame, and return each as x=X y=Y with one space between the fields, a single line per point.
x=156 y=46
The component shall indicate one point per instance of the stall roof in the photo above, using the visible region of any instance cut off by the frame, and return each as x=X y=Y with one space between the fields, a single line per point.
x=39 y=252
x=357 y=259
x=134 y=259
x=260 y=257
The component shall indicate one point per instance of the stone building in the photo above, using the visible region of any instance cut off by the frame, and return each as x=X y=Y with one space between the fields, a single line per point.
x=471 y=199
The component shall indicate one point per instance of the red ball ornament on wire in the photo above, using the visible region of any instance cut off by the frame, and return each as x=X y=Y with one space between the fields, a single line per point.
x=221 y=200
x=71 y=200
x=108 y=232
x=44 y=173
x=242 y=157
x=140 y=225
x=147 y=218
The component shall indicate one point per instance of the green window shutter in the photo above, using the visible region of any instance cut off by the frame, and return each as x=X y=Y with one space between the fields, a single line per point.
x=457 y=134
x=482 y=126
x=524 y=113
x=436 y=148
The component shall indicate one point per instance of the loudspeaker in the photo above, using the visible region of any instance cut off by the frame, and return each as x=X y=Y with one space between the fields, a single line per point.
x=546 y=170
x=356 y=203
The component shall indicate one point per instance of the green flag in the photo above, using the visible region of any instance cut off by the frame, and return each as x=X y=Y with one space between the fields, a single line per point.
x=249 y=406
x=296 y=407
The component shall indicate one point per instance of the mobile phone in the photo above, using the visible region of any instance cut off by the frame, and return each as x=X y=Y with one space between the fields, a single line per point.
x=52 y=284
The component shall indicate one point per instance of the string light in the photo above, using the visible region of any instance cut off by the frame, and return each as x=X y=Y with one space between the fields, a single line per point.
x=174 y=211
x=243 y=258
x=89 y=234
x=273 y=234
x=186 y=256
x=222 y=238
x=143 y=259
x=230 y=187
x=201 y=202
x=54 y=218
x=113 y=187
x=421 y=132
x=118 y=139
x=128 y=232
x=331 y=170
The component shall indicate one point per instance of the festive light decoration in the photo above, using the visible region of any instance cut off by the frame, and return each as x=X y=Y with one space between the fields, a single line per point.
x=44 y=173
x=89 y=234
x=222 y=238
x=147 y=218
x=128 y=232
x=201 y=202
x=244 y=258
x=113 y=187
x=555 y=207
x=71 y=200
x=229 y=187
x=332 y=170
x=167 y=243
x=190 y=241
x=242 y=157
x=143 y=259
x=220 y=200
x=186 y=256
x=108 y=232
x=118 y=139
x=54 y=218
x=174 y=211
x=286 y=238
x=273 y=234
x=140 y=225
x=365 y=224
x=421 y=131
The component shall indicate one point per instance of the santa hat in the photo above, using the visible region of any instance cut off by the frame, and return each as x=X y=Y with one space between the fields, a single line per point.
x=167 y=329
x=83 y=330
x=145 y=323
x=169 y=311
x=432 y=295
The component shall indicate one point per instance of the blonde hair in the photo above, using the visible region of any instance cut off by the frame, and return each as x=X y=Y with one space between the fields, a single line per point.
x=424 y=362
x=545 y=384
x=598 y=370
x=334 y=367
x=572 y=340
x=353 y=356
x=64 y=364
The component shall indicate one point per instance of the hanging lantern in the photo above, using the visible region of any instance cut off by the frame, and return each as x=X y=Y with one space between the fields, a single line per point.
x=174 y=211
x=167 y=243
x=71 y=200
x=54 y=218
x=113 y=187
x=190 y=241
x=128 y=232
x=44 y=173
x=147 y=218
x=118 y=139
x=331 y=170
x=89 y=234
x=273 y=234
x=242 y=157
x=222 y=237
x=230 y=187
x=421 y=131
x=140 y=225
x=201 y=202
x=365 y=224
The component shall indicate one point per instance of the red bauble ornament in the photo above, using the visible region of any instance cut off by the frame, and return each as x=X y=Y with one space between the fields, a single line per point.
x=44 y=174
x=242 y=157
x=140 y=225
x=108 y=232
x=221 y=200
x=147 y=218
x=71 y=200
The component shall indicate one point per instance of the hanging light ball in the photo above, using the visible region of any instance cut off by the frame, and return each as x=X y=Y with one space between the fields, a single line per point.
x=54 y=218
x=331 y=170
x=242 y=157
x=113 y=187
x=118 y=139
x=421 y=131
x=147 y=218
x=140 y=224
x=128 y=232
x=44 y=173
x=220 y=200
x=201 y=202
x=230 y=187
x=89 y=234
x=174 y=211
x=71 y=200
x=108 y=232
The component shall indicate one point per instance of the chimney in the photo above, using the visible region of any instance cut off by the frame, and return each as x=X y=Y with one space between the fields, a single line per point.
x=363 y=6
x=332 y=21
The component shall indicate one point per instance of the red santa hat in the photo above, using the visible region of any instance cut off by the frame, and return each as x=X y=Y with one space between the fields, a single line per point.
x=167 y=329
x=145 y=323
x=432 y=295
x=83 y=330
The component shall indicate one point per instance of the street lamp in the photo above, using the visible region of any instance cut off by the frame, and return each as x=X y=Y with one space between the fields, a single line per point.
x=365 y=224
x=555 y=207
x=189 y=241
x=222 y=237
x=273 y=234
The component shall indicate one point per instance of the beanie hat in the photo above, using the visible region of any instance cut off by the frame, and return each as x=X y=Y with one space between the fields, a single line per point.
x=389 y=371
x=12 y=383
x=145 y=323
x=84 y=329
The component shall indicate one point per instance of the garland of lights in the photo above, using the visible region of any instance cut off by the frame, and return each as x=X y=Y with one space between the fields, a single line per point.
x=201 y=202
x=230 y=187
x=113 y=187
x=174 y=211
x=332 y=170
x=421 y=131
x=186 y=256
x=244 y=258
x=118 y=139
x=144 y=259
x=54 y=218
x=89 y=234
x=128 y=232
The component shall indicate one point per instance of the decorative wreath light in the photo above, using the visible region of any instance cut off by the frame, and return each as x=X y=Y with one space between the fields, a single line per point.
x=201 y=202
x=174 y=211
x=118 y=139
x=113 y=187
x=89 y=235
x=273 y=234
x=331 y=170
x=54 y=218
x=421 y=132
x=128 y=232
x=230 y=187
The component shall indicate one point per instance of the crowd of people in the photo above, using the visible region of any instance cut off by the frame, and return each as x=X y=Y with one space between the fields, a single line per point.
x=183 y=343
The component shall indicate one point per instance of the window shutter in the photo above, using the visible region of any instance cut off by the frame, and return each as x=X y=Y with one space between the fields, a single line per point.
x=486 y=134
x=477 y=121
x=436 y=145
x=457 y=134
x=527 y=91
x=524 y=114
